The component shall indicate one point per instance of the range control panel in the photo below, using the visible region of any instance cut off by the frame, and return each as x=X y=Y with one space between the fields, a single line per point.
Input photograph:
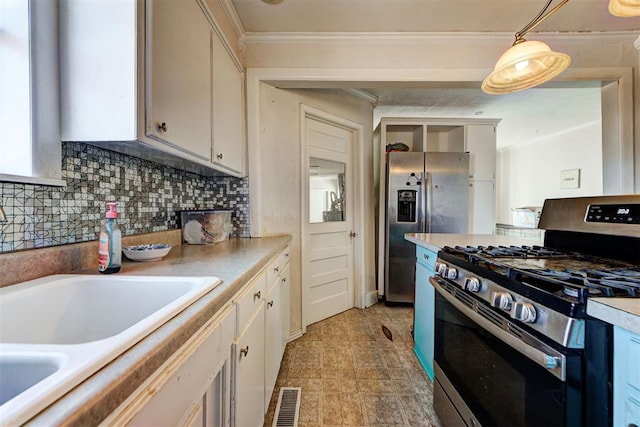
x=618 y=214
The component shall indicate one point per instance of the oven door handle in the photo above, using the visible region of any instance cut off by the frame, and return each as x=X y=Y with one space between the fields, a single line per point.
x=528 y=345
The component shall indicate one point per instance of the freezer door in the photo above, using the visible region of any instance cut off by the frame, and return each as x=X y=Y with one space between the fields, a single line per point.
x=447 y=192
x=404 y=203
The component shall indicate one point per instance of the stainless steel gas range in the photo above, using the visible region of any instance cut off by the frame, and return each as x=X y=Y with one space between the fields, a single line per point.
x=514 y=345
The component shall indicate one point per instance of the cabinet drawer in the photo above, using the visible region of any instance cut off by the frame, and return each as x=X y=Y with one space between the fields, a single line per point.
x=275 y=268
x=426 y=257
x=249 y=301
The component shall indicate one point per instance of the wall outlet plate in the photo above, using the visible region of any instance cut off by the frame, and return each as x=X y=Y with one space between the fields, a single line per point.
x=570 y=178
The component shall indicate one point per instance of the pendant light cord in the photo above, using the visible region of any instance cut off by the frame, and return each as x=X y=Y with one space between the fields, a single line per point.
x=540 y=17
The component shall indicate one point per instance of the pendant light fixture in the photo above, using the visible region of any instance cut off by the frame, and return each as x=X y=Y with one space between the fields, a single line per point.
x=624 y=7
x=527 y=63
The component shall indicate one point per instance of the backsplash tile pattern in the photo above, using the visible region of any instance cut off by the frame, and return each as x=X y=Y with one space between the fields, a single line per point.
x=148 y=195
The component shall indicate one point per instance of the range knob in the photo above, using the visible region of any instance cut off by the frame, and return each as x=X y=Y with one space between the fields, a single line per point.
x=502 y=300
x=472 y=284
x=524 y=312
x=451 y=273
x=441 y=268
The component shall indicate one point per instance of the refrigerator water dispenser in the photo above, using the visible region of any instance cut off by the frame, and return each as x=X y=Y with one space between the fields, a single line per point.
x=407 y=205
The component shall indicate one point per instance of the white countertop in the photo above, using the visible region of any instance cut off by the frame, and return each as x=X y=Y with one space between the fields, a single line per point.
x=436 y=241
x=622 y=312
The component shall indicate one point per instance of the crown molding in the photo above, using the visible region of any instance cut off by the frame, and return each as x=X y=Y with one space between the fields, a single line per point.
x=434 y=38
x=363 y=94
x=232 y=14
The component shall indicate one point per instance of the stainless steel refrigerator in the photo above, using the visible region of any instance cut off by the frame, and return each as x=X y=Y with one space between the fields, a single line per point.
x=426 y=193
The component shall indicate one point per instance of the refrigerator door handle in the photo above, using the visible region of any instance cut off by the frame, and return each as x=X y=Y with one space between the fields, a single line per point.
x=426 y=202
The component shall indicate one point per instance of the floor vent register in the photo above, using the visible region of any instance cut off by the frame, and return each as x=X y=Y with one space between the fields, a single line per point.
x=288 y=407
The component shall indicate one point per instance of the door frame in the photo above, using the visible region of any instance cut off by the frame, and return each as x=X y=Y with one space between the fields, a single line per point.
x=357 y=133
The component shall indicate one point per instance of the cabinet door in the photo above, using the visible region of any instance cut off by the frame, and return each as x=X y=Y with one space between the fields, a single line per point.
x=228 y=110
x=482 y=205
x=273 y=340
x=285 y=314
x=178 y=393
x=178 y=103
x=480 y=142
x=424 y=310
x=248 y=359
x=626 y=378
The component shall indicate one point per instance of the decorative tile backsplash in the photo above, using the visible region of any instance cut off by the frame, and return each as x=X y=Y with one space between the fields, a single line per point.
x=148 y=195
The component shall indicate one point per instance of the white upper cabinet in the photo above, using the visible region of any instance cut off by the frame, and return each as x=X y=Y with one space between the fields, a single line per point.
x=152 y=78
x=178 y=74
x=480 y=142
x=228 y=111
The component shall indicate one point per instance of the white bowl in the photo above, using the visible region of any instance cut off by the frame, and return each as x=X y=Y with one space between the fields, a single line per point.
x=148 y=252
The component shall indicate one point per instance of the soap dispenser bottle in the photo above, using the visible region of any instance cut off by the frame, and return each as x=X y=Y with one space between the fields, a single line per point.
x=110 y=243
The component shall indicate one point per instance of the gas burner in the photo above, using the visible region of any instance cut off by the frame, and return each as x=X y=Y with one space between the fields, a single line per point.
x=574 y=292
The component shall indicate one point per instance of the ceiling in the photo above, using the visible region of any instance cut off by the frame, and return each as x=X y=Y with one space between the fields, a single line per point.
x=570 y=105
x=424 y=16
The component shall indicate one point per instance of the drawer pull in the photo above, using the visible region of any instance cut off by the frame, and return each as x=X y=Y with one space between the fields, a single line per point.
x=284 y=280
x=244 y=351
x=286 y=255
x=270 y=303
x=162 y=127
x=277 y=269
x=257 y=295
x=425 y=256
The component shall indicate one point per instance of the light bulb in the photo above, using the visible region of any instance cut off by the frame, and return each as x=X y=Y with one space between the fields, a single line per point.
x=522 y=65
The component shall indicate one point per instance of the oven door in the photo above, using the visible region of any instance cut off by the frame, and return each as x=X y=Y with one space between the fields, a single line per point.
x=490 y=372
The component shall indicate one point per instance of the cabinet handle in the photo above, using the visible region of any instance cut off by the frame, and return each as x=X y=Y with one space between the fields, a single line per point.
x=162 y=127
x=286 y=255
x=425 y=256
x=244 y=351
x=219 y=156
x=270 y=303
x=284 y=280
x=277 y=269
x=257 y=295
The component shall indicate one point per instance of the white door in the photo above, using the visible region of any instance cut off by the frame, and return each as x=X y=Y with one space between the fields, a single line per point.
x=327 y=215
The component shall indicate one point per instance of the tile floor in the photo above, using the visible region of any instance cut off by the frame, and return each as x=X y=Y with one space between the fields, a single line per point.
x=352 y=374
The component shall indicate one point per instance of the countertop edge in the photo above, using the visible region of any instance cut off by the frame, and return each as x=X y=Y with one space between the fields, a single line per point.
x=436 y=241
x=620 y=312
x=94 y=399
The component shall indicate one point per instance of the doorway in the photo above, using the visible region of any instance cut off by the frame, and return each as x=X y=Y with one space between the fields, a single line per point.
x=328 y=215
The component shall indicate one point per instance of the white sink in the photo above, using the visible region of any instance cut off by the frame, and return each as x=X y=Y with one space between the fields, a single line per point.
x=20 y=371
x=58 y=330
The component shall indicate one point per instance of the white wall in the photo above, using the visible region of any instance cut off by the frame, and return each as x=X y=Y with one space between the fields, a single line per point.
x=376 y=60
x=530 y=173
x=277 y=176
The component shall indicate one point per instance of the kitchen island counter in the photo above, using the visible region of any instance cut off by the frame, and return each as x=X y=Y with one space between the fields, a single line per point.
x=234 y=261
x=621 y=312
x=436 y=241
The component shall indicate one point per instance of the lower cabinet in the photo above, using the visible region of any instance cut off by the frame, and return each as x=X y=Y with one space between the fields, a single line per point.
x=273 y=339
x=249 y=362
x=263 y=326
x=424 y=309
x=626 y=378
x=225 y=374
x=192 y=388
